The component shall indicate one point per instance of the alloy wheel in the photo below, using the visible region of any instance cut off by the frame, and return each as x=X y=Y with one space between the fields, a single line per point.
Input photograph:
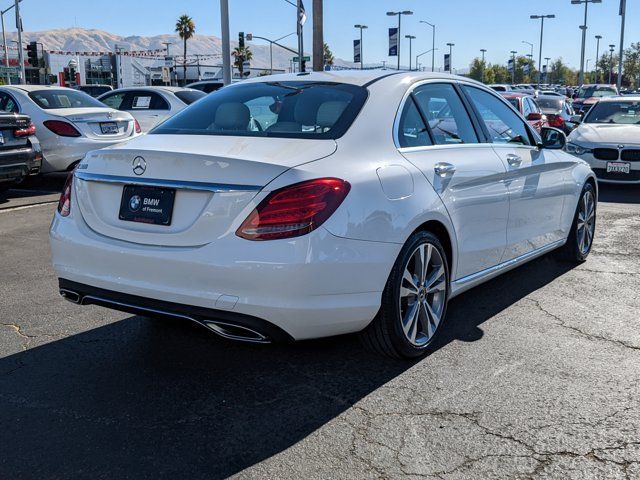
x=586 y=223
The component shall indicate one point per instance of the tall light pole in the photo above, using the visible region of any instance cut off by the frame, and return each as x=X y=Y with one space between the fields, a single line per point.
x=531 y=45
x=611 y=48
x=411 y=38
x=542 y=17
x=399 y=14
x=598 y=38
x=583 y=27
x=623 y=14
x=318 y=36
x=361 y=27
x=451 y=45
x=483 y=50
x=433 y=45
x=226 y=44
x=513 y=67
x=23 y=75
x=251 y=36
x=4 y=42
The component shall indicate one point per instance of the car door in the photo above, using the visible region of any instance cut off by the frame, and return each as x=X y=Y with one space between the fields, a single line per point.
x=437 y=135
x=536 y=178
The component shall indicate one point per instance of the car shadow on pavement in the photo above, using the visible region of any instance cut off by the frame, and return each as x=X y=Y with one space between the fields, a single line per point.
x=618 y=193
x=146 y=399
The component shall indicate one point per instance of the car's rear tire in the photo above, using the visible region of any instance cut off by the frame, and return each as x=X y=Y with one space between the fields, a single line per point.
x=414 y=301
x=580 y=239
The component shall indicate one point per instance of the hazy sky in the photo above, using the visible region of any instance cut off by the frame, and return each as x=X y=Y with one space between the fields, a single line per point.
x=497 y=25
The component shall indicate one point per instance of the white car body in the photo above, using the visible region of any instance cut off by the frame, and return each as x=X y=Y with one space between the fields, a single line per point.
x=61 y=152
x=494 y=213
x=144 y=104
x=604 y=145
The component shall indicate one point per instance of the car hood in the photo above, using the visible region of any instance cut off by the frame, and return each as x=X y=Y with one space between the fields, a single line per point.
x=606 y=133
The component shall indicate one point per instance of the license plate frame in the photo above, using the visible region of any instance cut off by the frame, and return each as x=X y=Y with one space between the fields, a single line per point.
x=619 y=167
x=109 y=128
x=153 y=205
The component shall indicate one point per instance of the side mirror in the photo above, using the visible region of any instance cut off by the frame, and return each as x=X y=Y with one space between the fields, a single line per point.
x=576 y=119
x=553 y=139
x=534 y=116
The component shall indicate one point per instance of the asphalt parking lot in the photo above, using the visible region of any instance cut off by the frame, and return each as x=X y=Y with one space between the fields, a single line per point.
x=536 y=376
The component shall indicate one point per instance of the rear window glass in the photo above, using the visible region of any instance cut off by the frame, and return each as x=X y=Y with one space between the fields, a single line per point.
x=48 y=99
x=189 y=97
x=550 y=103
x=272 y=109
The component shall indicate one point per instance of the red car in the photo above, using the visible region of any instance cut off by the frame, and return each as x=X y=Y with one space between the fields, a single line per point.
x=527 y=106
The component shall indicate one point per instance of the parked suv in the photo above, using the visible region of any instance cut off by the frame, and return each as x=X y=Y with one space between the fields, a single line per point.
x=20 y=153
x=588 y=95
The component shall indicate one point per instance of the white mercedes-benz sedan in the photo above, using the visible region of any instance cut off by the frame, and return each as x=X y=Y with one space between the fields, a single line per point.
x=609 y=139
x=69 y=122
x=308 y=205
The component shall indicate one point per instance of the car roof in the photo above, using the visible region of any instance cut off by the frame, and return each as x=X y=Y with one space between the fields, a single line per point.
x=153 y=88
x=34 y=88
x=618 y=98
x=512 y=94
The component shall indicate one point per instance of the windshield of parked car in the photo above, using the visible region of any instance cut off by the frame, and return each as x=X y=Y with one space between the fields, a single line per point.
x=271 y=109
x=588 y=92
x=49 y=99
x=550 y=103
x=190 y=96
x=625 y=113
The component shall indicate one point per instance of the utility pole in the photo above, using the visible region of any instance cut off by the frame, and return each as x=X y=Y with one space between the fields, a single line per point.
x=23 y=75
x=361 y=27
x=411 y=38
x=611 y=48
x=318 y=36
x=483 y=50
x=623 y=14
x=598 y=38
x=399 y=14
x=541 y=18
x=433 y=45
x=583 y=27
x=226 y=44
x=513 y=67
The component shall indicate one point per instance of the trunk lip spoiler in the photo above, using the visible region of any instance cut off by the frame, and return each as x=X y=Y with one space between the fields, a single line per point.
x=177 y=184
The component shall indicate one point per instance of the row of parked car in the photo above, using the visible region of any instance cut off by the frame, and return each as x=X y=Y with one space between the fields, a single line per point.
x=46 y=129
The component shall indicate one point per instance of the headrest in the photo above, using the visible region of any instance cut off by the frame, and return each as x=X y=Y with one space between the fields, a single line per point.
x=329 y=113
x=232 y=116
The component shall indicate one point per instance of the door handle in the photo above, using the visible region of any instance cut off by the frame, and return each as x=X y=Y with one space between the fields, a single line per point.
x=443 y=168
x=514 y=160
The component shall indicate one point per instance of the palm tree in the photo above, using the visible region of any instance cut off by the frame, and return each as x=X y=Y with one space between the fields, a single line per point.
x=241 y=55
x=328 y=55
x=186 y=28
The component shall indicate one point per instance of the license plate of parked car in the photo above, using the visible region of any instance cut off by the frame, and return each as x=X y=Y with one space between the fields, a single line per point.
x=618 y=167
x=147 y=204
x=109 y=127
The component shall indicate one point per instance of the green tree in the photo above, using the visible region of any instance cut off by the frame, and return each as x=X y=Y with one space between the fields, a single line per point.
x=328 y=55
x=559 y=72
x=241 y=55
x=476 y=68
x=500 y=74
x=608 y=64
x=186 y=28
x=631 y=64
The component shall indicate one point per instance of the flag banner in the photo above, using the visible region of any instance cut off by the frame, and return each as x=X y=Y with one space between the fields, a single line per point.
x=525 y=68
x=544 y=69
x=393 y=42
x=510 y=65
x=356 y=51
x=447 y=63
x=302 y=15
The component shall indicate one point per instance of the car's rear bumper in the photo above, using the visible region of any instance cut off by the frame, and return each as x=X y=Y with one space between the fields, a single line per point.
x=19 y=163
x=311 y=286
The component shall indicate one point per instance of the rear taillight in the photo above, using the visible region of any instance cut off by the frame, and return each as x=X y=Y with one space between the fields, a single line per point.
x=64 y=204
x=555 y=121
x=25 y=132
x=294 y=210
x=137 y=125
x=61 y=128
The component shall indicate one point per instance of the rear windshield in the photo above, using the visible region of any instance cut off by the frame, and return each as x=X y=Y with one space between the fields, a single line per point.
x=190 y=96
x=48 y=99
x=588 y=92
x=319 y=110
x=550 y=103
x=627 y=113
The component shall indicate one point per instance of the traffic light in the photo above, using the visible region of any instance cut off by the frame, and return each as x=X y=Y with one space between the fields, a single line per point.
x=241 y=39
x=32 y=54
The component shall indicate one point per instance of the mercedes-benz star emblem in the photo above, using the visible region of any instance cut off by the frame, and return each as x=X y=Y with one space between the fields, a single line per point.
x=139 y=165
x=109 y=115
x=134 y=203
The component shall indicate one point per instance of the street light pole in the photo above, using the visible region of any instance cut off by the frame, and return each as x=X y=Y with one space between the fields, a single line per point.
x=251 y=36
x=23 y=75
x=226 y=44
x=531 y=45
x=451 y=45
x=542 y=17
x=421 y=54
x=433 y=45
x=361 y=27
x=513 y=67
x=611 y=48
x=483 y=50
x=623 y=14
x=411 y=38
x=583 y=27
x=598 y=38
x=399 y=14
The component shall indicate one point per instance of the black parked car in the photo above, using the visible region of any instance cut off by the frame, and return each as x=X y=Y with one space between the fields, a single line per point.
x=20 y=152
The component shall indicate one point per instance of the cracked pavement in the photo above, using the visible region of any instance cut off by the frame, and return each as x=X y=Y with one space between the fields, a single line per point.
x=537 y=376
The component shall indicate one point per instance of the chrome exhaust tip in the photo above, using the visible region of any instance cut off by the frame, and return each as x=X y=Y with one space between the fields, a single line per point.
x=236 y=332
x=71 y=296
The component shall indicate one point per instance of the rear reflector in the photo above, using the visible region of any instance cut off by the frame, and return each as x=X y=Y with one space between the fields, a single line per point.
x=137 y=125
x=64 y=204
x=61 y=128
x=294 y=210
x=25 y=132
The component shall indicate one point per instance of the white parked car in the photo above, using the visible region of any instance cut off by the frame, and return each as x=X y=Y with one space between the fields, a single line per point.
x=69 y=122
x=151 y=105
x=609 y=139
x=303 y=206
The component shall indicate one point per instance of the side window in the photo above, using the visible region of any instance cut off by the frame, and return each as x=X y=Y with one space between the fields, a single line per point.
x=114 y=100
x=526 y=107
x=157 y=102
x=503 y=124
x=412 y=131
x=448 y=119
x=10 y=105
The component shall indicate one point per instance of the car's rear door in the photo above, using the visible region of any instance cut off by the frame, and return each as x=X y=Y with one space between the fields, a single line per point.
x=536 y=178
x=435 y=132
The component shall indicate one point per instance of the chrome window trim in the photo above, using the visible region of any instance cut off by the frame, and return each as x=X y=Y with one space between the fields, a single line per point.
x=177 y=184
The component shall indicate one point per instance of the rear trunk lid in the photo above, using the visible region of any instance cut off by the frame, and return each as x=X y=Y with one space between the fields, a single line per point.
x=9 y=124
x=215 y=178
x=99 y=123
